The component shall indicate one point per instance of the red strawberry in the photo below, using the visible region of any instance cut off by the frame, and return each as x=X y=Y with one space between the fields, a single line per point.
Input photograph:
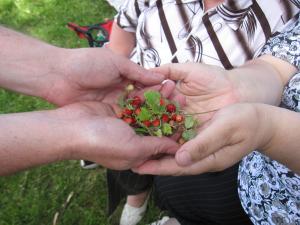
x=165 y=118
x=147 y=123
x=171 y=108
x=173 y=117
x=137 y=111
x=133 y=120
x=129 y=120
x=179 y=118
x=120 y=115
x=127 y=112
x=161 y=102
x=156 y=123
x=136 y=102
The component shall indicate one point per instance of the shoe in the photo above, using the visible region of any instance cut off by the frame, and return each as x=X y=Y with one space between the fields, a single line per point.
x=162 y=221
x=88 y=164
x=132 y=215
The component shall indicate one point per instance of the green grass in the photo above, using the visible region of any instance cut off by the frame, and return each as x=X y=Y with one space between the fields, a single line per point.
x=34 y=196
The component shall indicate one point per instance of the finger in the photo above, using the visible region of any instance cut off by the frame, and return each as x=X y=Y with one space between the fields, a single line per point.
x=157 y=145
x=219 y=161
x=209 y=140
x=140 y=92
x=137 y=73
x=178 y=97
x=173 y=71
x=164 y=166
x=167 y=88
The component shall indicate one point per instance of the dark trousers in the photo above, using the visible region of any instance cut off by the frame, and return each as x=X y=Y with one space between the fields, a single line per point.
x=123 y=183
x=207 y=199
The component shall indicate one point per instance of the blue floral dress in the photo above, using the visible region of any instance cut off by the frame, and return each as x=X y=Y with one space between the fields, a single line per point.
x=269 y=191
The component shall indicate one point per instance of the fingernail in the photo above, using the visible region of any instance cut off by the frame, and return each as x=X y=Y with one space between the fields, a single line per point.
x=183 y=158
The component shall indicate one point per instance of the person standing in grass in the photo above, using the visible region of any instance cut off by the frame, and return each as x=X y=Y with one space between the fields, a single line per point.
x=86 y=89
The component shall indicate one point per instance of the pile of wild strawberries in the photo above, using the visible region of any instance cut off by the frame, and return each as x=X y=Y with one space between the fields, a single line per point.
x=157 y=116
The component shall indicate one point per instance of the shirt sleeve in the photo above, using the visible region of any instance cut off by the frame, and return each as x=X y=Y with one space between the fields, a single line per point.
x=286 y=45
x=127 y=17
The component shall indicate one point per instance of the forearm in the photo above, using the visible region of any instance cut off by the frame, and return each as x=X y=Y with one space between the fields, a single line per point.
x=283 y=144
x=32 y=139
x=121 y=41
x=262 y=80
x=26 y=62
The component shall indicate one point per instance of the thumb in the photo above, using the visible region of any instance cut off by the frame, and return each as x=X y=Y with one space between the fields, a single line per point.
x=211 y=139
x=134 y=72
x=153 y=146
x=173 y=71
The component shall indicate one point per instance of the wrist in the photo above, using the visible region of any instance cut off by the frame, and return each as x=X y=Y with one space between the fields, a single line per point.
x=267 y=128
x=58 y=135
x=257 y=82
x=33 y=139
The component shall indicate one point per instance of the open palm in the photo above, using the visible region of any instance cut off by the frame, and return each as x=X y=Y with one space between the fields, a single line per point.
x=206 y=88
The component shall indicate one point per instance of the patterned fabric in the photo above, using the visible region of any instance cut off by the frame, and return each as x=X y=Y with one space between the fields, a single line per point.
x=269 y=191
x=182 y=30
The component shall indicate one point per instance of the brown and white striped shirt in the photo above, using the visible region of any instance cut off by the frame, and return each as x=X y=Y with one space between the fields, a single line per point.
x=180 y=30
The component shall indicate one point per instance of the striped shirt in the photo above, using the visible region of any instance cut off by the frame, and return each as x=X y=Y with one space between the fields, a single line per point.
x=182 y=30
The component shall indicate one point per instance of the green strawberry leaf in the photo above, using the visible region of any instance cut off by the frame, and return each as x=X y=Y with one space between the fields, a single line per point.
x=158 y=133
x=121 y=101
x=189 y=134
x=152 y=99
x=166 y=129
x=145 y=114
x=189 y=122
x=141 y=131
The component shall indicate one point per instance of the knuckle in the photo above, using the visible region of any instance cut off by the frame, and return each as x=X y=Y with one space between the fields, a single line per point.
x=216 y=165
x=200 y=151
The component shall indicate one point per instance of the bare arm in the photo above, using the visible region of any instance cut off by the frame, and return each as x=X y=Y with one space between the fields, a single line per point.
x=262 y=80
x=33 y=139
x=25 y=61
x=86 y=130
x=64 y=76
x=284 y=142
x=121 y=41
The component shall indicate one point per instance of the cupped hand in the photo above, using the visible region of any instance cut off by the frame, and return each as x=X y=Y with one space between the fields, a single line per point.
x=91 y=74
x=106 y=140
x=231 y=134
x=206 y=88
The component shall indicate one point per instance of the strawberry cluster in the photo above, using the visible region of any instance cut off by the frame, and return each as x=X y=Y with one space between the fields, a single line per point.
x=157 y=116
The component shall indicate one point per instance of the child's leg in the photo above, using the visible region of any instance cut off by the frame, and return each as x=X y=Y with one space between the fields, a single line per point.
x=133 y=186
x=134 y=208
x=137 y=200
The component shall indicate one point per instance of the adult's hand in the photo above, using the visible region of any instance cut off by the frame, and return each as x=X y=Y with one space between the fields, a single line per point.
x=111 y=142
x=206 y=88
x=91 y=74
x=86 y=130
x=231 y=134
x=64 y=76
x=209 y=88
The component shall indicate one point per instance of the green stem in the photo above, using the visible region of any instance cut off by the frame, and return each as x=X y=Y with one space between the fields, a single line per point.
x=190 y=114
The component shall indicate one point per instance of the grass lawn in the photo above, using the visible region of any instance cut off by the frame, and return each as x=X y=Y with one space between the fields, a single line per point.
x=33 y=197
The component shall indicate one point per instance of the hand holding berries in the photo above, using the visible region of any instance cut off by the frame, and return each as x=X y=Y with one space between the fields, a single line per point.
x=157 y=116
